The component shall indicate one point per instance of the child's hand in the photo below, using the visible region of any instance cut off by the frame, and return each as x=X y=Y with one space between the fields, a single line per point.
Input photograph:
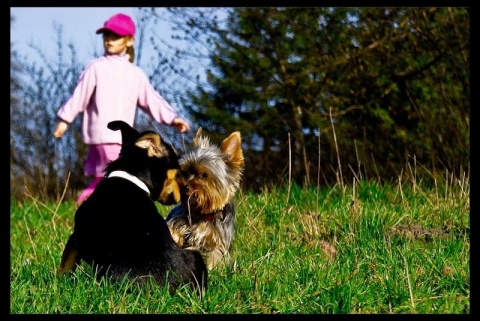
x=60 y=129
x=181 y=125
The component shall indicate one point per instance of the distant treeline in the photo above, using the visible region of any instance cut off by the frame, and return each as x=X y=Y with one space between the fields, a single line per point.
x=320 y=95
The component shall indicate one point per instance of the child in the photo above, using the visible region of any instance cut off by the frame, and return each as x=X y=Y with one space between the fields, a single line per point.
x=110 y=88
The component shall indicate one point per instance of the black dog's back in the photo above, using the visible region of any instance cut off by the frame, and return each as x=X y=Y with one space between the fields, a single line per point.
x=131 y=237
x=119 y=231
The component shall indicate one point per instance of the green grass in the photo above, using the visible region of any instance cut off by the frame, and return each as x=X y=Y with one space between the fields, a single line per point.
x=367 y=248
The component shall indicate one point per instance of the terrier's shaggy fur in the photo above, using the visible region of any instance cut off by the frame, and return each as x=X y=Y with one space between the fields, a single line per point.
x=209 y=178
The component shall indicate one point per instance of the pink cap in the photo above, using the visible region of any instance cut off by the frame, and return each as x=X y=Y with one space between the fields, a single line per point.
x=120 y=24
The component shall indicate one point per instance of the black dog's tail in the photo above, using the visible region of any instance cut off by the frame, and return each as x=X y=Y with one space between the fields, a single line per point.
x=129 y=134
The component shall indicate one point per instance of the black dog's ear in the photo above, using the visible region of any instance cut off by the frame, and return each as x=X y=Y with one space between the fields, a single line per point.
x=154 y=145
x=129 y=134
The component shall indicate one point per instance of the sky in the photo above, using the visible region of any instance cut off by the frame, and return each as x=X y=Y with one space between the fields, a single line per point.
x=35 y=25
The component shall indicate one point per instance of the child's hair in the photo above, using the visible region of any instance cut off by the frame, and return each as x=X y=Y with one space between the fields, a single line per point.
x=131 y=53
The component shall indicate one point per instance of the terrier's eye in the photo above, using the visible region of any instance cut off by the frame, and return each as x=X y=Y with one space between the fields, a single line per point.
x=203 y=175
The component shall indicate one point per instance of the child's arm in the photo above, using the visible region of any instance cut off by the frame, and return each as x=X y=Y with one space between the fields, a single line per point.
x=80 y=97
x=157 y=107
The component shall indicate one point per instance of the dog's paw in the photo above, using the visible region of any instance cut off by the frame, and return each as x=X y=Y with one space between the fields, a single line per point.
x=69 y=261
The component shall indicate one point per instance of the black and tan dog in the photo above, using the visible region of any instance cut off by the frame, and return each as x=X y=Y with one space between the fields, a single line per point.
x=209 y=177
x=118 y=229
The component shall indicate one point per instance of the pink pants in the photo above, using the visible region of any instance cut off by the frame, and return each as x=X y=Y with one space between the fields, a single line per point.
x=98 y=157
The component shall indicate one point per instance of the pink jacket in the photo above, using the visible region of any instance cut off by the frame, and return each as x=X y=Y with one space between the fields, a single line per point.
x=110 y=88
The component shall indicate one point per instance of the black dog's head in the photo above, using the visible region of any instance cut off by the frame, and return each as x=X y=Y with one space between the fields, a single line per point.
x=148 y=157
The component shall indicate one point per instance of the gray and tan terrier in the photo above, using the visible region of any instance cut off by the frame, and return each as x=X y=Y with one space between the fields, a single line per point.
x=208 y=179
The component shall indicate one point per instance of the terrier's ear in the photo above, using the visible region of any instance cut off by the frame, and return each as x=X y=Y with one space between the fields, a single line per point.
x=153 y=143
x=232 y=147
x=196 y=140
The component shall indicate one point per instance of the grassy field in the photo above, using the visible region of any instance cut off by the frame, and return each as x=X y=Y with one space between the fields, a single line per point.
x=363 y=248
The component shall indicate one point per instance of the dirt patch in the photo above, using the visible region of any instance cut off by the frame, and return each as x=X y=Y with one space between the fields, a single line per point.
x=418 y=232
